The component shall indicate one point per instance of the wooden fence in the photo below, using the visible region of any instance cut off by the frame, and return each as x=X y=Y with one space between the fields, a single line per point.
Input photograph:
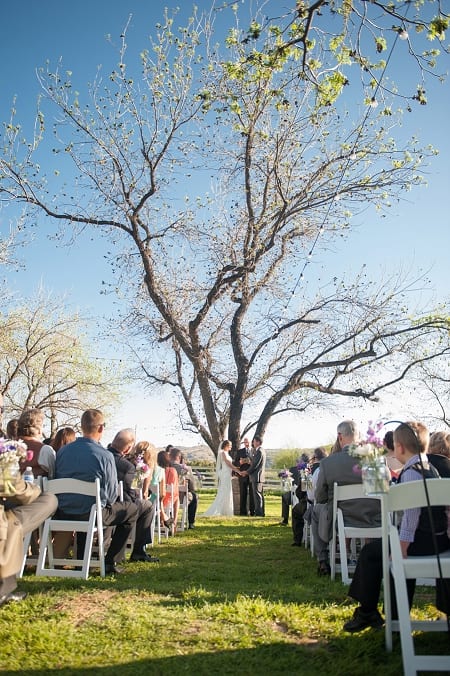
x=208 y=480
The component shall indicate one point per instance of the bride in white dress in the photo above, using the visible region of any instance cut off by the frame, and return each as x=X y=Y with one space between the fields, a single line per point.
x=223 y=502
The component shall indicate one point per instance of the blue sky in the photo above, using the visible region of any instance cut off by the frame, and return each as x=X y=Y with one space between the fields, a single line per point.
x=415 y=235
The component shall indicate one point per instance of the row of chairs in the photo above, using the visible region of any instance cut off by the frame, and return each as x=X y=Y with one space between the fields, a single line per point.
x=47 y=564
x=426 y=568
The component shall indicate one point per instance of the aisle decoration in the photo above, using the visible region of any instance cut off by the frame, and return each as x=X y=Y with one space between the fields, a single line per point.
x=11 y=453
x=372 y=464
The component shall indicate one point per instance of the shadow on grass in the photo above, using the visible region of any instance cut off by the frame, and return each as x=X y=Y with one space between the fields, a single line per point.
x=276 y=658
x=255 y=560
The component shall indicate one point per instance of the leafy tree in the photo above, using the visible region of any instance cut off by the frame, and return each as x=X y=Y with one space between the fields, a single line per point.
x=216 y=173
x=45 y=363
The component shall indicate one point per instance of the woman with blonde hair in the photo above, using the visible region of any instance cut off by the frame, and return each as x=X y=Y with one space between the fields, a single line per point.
x=147 y=452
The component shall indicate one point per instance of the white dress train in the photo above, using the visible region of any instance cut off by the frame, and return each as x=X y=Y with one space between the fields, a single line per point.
x=223 y=502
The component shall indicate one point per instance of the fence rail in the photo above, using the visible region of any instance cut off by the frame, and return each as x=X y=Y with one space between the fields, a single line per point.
x=208 y=477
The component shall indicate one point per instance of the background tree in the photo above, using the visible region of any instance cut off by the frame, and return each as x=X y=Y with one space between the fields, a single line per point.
x=217 y=274
x=45 y=363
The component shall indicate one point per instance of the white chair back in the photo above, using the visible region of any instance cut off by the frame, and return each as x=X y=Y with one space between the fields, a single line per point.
x=403 y=496
x=341 y=531
x=64 y=567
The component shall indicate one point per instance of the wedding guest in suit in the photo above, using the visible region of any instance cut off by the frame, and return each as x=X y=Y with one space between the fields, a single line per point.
x=256 y=473
x=303 y=509
x=242 y=462
x=120 y=447
x=286 y=498
x=339 y=467
x=416 y=538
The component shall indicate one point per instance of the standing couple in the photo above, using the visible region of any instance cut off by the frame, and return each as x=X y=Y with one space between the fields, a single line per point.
x=223 y=502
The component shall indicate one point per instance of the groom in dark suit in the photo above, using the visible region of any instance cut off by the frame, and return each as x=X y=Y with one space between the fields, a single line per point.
x=256 y=474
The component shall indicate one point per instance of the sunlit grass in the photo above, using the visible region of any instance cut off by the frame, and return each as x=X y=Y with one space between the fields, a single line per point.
x=231 y=595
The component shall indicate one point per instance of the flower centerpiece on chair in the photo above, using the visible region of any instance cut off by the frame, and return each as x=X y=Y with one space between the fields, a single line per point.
x=286 y=479
x=372 y=464
x=142 y=470
x=305 y=475
x=11 y=453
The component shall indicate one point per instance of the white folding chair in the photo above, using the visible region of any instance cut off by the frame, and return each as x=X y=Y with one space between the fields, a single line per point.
x=132 y=536
x=400 y=497
x=184 y=504
x=58 y=567
x=341 y=531
x=157 y=522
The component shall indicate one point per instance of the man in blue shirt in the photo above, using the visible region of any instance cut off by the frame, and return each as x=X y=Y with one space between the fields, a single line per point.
x=87 y=459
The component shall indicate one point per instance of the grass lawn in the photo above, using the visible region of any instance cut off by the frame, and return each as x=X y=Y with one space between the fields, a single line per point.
x=231 y=596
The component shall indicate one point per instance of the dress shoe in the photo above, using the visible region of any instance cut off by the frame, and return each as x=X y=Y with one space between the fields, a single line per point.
x=296 y=544
x=191 y=526
x=323 y=568
x=143 y=556
x=112 y=569
x=361 y=620
x=283 y=523
x=12 y=597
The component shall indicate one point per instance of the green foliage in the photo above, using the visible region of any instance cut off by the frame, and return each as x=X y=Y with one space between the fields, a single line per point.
x=287 y=457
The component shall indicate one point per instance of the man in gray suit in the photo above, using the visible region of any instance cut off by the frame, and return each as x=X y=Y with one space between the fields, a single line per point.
x=339 y=467
x=256 y=474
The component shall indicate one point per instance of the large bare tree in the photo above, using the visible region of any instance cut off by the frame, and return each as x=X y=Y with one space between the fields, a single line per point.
x=217 y=172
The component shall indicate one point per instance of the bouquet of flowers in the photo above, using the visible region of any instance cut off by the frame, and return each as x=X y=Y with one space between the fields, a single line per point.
x=142 y=470
x=11 y=453
x=286 y=479
x=305 y=475
x=371 y=463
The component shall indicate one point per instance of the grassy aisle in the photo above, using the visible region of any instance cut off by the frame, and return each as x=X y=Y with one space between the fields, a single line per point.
x=230 y=596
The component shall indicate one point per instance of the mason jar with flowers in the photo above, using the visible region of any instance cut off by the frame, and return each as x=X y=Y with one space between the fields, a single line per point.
x=371 y=461
x=11 y=454
x=285 y=477
x=142 y=471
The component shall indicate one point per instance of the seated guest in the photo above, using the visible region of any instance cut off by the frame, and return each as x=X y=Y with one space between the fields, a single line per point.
x=185 y=473
x=11 y=429
x=145 y=452
x=393 y=464
x=159 y=479
x=29 y=429
x=416 y=539
x=439 y=453
x=339 y=467
x=20 y=514
x=65 y=435
x=171 y=479
x=286 y=498
x=303 y=509
x=86 y=459
x=120 y=446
